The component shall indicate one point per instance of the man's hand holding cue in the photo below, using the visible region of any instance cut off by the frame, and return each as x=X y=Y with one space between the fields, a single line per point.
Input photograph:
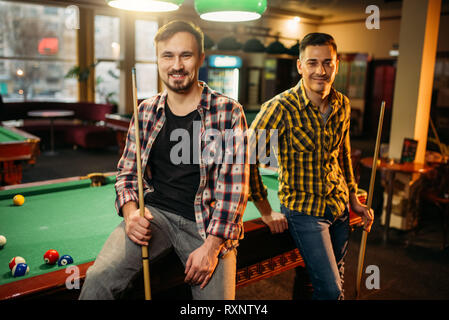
x=367 y=214
x=137 y=227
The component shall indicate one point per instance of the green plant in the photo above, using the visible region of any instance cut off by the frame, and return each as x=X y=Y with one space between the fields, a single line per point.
x=102 y=91
x=80 y=74
x=83 y=74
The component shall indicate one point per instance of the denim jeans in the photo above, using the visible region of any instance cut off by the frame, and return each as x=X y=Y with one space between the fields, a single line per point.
x=120 y=260
x=322 y=242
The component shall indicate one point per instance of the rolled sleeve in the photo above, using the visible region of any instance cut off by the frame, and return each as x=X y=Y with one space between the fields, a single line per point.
x=224 y=229
x=123 y=198
x=258 y=191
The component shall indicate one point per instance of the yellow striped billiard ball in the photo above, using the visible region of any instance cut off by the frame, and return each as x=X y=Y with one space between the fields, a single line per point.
x=18 y=200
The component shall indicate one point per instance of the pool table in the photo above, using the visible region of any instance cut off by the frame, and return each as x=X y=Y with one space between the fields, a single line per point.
x=75 y=218
x=16 y=146
x=120 y=124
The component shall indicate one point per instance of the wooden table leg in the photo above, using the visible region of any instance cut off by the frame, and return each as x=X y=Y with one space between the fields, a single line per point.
x=445 y=223
x=52 y=138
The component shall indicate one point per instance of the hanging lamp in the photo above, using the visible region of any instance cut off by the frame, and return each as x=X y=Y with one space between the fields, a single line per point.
x=146 y=5
x=230 y=10
x=253 y=45
x=276 y=47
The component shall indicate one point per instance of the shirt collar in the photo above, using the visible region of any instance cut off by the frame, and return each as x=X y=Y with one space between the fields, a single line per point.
x=204 y=102
x=334 y=100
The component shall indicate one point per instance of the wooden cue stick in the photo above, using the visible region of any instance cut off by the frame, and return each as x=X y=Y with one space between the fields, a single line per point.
x=436 y=136
x=145 y=258
x=370 y=199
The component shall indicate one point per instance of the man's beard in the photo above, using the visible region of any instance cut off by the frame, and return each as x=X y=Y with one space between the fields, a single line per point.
x=179 y=87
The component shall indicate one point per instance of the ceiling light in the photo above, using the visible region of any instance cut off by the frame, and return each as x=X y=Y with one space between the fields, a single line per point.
x=230 y=10
x=394 y=53
x=146 y=5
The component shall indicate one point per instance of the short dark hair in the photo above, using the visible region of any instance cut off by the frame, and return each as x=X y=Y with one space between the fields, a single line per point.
x=317 y=39
x=170 y=29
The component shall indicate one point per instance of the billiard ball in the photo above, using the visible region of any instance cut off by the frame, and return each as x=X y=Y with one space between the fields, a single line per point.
x=16 y=260
x=18 y=200
x=65 y=260
x=51 y=256
x=20 y=269
x=2 y=241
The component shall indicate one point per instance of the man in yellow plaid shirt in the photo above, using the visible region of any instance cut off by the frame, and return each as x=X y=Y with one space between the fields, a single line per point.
x=316 y=179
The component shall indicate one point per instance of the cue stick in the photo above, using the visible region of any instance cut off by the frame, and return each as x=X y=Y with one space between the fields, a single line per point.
x=436 y=136
x=370 y=199
x=145 y=259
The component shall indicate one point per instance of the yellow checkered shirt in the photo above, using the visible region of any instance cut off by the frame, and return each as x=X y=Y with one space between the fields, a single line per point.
x=315 y=168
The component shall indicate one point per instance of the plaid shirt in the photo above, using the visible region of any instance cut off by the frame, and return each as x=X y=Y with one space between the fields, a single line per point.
x=223 y=191
x=315 y=168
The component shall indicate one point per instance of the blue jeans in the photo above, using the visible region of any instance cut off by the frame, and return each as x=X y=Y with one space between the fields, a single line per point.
x=120 y=260
x=322 y=242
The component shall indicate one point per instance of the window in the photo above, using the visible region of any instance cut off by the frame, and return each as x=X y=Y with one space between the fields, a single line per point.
x=146 y=68
x=107 y=55
x=36 y=53
x=146 y=77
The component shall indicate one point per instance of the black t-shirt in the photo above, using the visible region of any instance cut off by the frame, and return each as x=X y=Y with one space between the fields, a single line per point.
x=175 y=185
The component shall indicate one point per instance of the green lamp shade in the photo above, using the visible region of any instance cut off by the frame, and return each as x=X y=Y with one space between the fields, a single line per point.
x=229 y=43
x=276 y=47
x=146 y=5
x=294 y=50
x=253 y=45
x=230 y=10
x=208 y=42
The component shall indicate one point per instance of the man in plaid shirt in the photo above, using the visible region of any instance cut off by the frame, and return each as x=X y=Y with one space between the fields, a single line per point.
x=194 y=159
x=316 y=180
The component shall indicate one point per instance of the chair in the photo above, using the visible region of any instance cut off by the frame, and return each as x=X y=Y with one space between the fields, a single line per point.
x=436 y=192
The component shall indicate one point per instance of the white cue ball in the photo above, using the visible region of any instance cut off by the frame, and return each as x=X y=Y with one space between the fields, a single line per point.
x=2 y=241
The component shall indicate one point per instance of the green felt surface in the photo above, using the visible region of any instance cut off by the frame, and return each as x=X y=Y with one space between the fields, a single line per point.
x=8 y=136
x=74 y=221
x=270 y=181
x=72 y=218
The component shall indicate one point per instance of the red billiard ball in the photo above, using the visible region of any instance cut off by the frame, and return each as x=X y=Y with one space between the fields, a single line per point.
x=51 y=256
